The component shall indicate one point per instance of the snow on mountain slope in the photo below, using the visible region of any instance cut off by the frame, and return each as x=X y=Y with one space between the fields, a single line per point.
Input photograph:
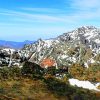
x=87 y=35
x=81 y=45
x=78 y=46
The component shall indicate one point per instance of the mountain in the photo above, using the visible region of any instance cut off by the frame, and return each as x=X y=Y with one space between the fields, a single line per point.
x=81 y=45
x=12 y=44
x=74 y=56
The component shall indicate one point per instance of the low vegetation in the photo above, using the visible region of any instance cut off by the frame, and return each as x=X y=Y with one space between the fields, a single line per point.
x=32 y=84
x=92 y=73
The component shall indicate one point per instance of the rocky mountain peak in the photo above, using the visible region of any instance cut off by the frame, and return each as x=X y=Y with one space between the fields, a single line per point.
x=87 y=28
x=66 y=48
x=87 y=33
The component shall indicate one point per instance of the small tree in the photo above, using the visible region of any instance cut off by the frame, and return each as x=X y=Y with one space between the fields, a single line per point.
x=32 y=69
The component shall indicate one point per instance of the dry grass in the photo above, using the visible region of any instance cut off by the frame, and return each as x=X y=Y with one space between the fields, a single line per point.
x=28 y=89
x=25 y=89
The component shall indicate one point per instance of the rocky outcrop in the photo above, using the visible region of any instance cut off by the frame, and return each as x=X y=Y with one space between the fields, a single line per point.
x=9 y=57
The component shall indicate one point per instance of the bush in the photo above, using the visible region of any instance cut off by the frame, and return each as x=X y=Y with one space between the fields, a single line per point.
x=15 y=72
x=4 y=73
x=52 y=70
x=76 y=70
x=63 y=89
x=32 y=69
x=7 y=73
x=2 y=91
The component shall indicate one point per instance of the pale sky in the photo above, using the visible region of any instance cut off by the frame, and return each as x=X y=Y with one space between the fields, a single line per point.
x=33 y=19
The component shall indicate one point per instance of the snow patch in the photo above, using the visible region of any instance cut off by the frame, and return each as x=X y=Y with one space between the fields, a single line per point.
x=84 y=84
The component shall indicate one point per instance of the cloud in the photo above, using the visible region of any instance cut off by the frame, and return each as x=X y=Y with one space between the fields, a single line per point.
x=32 y=17
x=84 y=10
x=81 y=10
x=85 y=4
x=44 y=10
x=24 y=22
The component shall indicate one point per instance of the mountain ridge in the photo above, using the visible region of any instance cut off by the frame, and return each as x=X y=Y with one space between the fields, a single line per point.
x=14 y=44
x=81 y=45
x=77 y=53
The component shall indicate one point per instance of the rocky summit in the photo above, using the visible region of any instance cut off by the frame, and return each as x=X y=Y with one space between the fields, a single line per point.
x=78 y=46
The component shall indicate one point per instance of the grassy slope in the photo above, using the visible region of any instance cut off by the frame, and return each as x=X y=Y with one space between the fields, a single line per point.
x=33 y=86
x=28 y=89
x=24 y=89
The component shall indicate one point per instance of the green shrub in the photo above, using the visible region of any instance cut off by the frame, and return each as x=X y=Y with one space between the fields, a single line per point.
x=15 y=72
x=63 y=89
x=4 y=73
x=2 y=91
x=32 y=69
